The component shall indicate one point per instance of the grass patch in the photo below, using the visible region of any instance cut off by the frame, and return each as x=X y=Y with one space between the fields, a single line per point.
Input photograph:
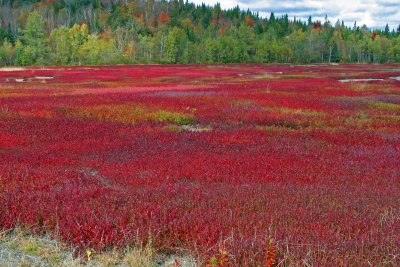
x=19 y=248
x=360 y=121
x=120 y=113
x=173 y=128
x=304 y=112
x=275 y=129
x=297 y=76
x=385 y=106
x=286 y=124
x=31 y=247
x=295 y=111
x=133 y=114
x=173 y=117
x=140 y=257
x=361 y=86
x=12 y=95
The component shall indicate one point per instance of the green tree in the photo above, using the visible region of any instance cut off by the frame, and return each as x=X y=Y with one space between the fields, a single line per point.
x=394 y=51
x=387 y=31
x=33 y=38
x=212 y=51
x=60 y=44
x=78 y=36
x=174 y=44
x=10 y=35
x=98 y=51
x=2 y=35
x=246 y=38
x=147 y=48
x=7 y=52
x=19 y=54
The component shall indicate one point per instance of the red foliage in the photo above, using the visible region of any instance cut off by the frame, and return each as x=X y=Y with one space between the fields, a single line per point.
x=163 y=18
x=249 y=21
x=374 y=34
x=270 y=257
x=205 y=157
x=317 y=25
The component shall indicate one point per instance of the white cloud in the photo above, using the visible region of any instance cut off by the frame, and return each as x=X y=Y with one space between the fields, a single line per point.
x=373 y=13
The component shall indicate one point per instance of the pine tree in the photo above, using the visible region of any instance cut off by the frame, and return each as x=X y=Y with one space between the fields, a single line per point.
x=387 y=30
x=10 y=35
x=2 y=35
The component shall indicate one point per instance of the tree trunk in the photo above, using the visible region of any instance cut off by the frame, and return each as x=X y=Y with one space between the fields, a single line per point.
x=162 y=47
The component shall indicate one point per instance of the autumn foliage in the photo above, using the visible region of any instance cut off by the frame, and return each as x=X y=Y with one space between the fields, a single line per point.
x=270 y=254
x=236 y=165
x=163 y=18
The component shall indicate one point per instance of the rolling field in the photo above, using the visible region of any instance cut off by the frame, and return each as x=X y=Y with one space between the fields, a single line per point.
x=237 y=165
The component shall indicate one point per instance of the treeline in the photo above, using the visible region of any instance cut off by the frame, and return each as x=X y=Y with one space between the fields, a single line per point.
x=89 y=32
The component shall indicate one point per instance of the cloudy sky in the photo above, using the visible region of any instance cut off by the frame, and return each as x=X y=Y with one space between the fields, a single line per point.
x=373 y=13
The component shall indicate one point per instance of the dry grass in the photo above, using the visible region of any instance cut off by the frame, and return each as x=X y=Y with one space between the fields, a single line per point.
x=19 y=248
x=10 y=69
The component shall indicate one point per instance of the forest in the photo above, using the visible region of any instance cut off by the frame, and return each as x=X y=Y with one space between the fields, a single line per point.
x=107 y=32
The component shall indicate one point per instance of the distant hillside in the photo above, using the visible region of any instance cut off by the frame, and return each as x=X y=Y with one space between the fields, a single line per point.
x=77 y=32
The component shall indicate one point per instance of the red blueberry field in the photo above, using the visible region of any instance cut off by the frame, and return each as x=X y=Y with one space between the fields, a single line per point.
x=236 y=165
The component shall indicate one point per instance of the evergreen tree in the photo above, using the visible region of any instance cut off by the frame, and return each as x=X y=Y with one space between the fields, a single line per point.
x=2 y=35
x=387 y=30
x=10 y=35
